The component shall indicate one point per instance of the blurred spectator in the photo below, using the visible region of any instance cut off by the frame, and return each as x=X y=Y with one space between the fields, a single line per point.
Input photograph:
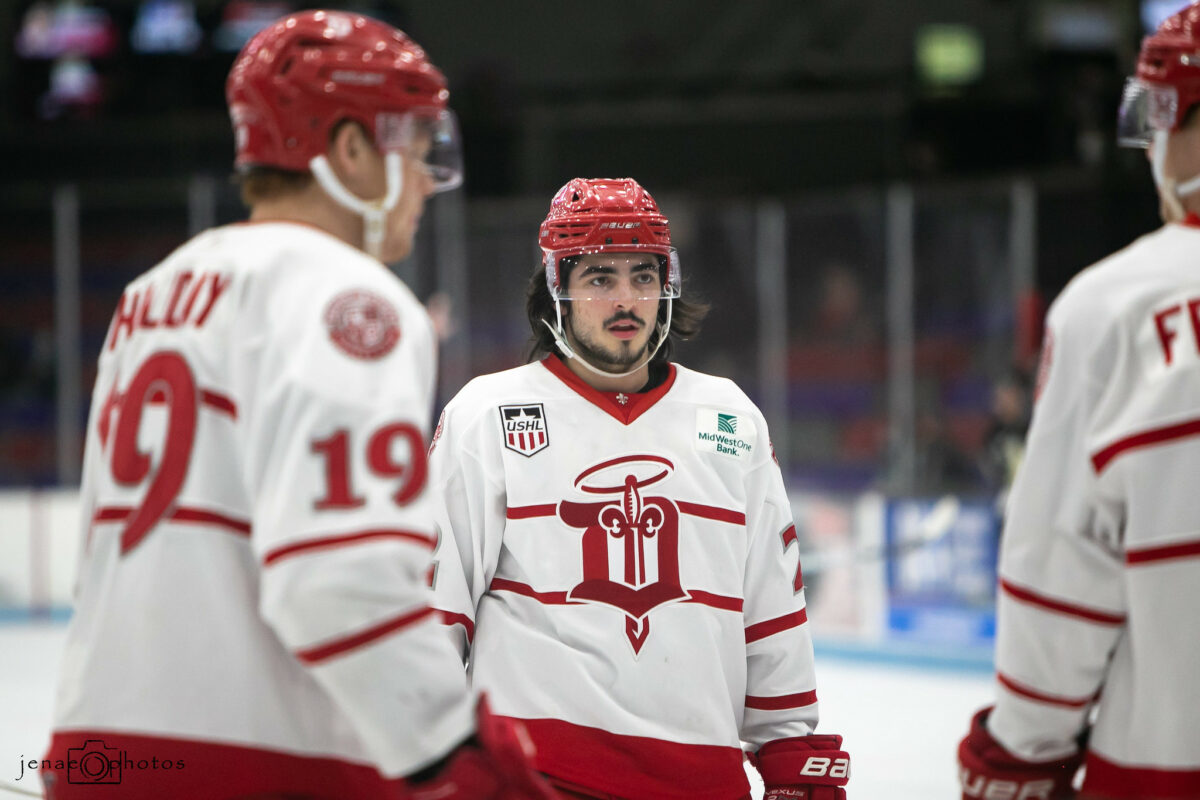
x=940 y=465
x=841 y=316
x=1004 y=443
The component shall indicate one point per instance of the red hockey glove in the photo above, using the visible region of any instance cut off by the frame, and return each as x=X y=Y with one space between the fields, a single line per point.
x=494 y=764
x=987 y=771
x=804 y=768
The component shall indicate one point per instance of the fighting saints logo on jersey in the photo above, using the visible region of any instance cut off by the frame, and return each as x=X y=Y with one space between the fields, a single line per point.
x=524 y=428
x=630 y=541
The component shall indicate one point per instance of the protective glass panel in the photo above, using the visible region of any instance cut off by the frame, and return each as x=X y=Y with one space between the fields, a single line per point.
x=837 y=347
x=27 y=343
x=970 y=386
x=431 y=133
x=1145 y=109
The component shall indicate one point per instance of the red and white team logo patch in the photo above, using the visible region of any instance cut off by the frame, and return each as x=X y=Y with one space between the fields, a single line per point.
x=524 y=428
x=630 y=541
x=362 y=324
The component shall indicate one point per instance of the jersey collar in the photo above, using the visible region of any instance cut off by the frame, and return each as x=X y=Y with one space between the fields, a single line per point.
x=624 y=407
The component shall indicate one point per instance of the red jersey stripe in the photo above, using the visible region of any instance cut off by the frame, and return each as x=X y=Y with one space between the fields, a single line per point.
x=341 y=540
x=214 y=400
x=1144 y=555
x=620 y=765
x=451 y=618
x=211 y=518
x=546 y=598
x=218 y=402
x=182 y=514
x=1042 y=697
x=1060 y=606
x=714 y=600
x=781 y=702
x=712 y=512
x=336 y=647
x=111 y=513
x=525 y=512
x=1155 y=436
x=1110 y=779
x=207 y=768
x=761 y=630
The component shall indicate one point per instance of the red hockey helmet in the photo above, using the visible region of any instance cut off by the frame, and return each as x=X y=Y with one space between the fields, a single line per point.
x=597 y=215
x=302 y=75
x=1167 y=83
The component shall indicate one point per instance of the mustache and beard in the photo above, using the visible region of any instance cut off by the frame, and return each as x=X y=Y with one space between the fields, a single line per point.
x=624 y=355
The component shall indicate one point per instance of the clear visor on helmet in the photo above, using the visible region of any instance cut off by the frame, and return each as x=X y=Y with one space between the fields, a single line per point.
x=1145 y=108
x=428 y=134
x=605 y=278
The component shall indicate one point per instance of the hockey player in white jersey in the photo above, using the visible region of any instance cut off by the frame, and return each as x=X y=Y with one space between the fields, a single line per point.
x=616 y=538
x=252 y=615
x=1098 y=644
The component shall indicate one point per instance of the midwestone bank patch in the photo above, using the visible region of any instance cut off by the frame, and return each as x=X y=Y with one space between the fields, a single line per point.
x=724 y=433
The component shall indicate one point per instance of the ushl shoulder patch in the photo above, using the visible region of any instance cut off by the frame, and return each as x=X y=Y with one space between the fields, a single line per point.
x=524 y=428
x=362 y=324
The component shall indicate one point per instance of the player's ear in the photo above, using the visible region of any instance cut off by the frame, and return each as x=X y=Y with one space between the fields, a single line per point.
x=350 y=153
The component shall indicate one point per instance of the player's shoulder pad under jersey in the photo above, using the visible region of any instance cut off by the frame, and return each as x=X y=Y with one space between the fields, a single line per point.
x=1090 y=314
x=479 y=400
x=314 y=281
x=1099 y=290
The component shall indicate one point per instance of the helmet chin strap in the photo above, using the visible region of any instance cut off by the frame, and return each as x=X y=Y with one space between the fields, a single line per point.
x=1171 y=191
x=662 y=329
x=373 y=212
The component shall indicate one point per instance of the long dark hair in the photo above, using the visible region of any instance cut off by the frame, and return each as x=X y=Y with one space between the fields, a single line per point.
x=686 y=315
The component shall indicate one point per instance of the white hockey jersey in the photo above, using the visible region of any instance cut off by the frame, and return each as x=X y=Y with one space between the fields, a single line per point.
x=628 y=568
x=253 y=600
x=1100 y=557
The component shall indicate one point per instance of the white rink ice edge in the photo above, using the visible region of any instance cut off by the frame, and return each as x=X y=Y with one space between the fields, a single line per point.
x=901 y=724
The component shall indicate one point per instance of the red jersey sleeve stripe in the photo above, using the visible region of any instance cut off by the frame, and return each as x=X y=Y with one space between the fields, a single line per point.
x=197 y=516
x=336 y=647
x=714 y=600
x=451 y=618
x=1042 y=697
x=203 y=517
x=761 y=630
x=527 y=512
x=547 y=598
x=781 y=702
x=342 y=540
x=712 y=512
x=214 y=400
x=1144 y=555
x=1060 y=606
x=1182 y=430
x=218 y=402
